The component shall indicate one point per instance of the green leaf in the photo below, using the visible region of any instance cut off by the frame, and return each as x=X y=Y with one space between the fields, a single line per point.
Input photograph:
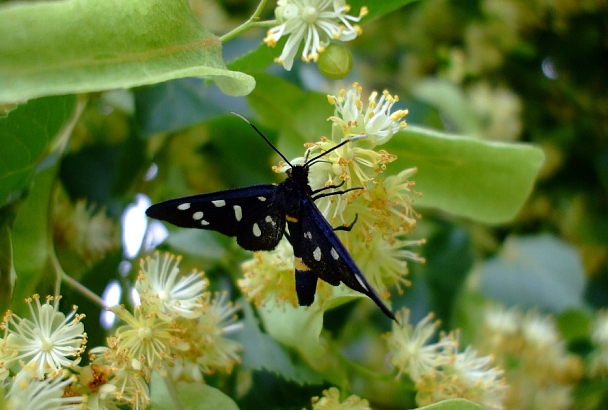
x=377 y=9
x=257 y=59
x=453 y=404
x=451 y=101
x=178 y=104
x=31 y=235
x=75 y=46
x=574 y=324
x=481 y=180
x=263 y=352
x=191 y=396
x=300 y=116
x=25 y=135
x=300 y=327
x=7 y=270
x=536 y=271
x=196 y=242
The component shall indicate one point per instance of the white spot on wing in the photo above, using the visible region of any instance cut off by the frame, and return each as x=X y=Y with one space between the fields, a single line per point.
x=363 y=285
x=307 y=235
x=270 y=220
x=334 y=254
x=317 y=254
x=197 y=215
x=204 y=223
x=256 y=230
x=238 y=212
x=219 y=203
x=261 y=198
x=184 y=206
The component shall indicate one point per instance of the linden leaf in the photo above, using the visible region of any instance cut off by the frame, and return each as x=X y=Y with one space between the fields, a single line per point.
x=482 y=180
x=26 y=134
x=75 y=46
x=300 y=327
x=376 y=9
x=31 y=239
x=191 y=396
x=535 y=271
x=299 y=116
x=294 y=327
x=453 y=404
x=7 y=270
x=263 y=352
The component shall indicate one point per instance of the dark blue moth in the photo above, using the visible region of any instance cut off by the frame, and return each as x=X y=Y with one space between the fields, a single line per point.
x=257 y=216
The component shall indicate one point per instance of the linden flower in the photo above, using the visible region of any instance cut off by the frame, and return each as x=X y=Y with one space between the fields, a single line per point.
x=49 y=341
x=145 y=337
x=410 y=351
x=375 y=120
x=270 y=275
x=358 y=163
x=385 y=262
x=163 y=291
x=115 y=379
x=466 y=376
x=540 y=371
x=314 y=21
x=29 y=392
x=331 y=401
x=209 y=348
x=88 y=232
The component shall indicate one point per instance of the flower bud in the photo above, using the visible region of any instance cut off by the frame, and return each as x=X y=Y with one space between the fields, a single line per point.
x=336 y=62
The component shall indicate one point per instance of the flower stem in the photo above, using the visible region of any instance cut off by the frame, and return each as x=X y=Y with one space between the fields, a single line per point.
x=83 y=289
x=250 y=23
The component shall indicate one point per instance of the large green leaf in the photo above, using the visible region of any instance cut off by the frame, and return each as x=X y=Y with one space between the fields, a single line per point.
x=31 y=235
x=191 y=396
x=300 y=327
x=73 y=46
x=25 y=135
x=299 y=116
x=451 y=100
x=536 y=271
x=263 y=352
x=453 y=404
x=481 y=180
x=7 y=270
x=377 y=9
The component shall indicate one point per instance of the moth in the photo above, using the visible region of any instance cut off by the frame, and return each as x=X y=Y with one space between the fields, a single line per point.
x=258 y=215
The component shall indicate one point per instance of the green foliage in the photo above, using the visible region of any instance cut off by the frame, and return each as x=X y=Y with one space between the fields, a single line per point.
x=481 y=180
x=46 y=51
x=511 y=162
x=190 y=396
x=455 y=404
x=537 y=271
x=27 y=133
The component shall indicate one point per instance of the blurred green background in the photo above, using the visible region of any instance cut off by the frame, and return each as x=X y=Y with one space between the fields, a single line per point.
x=530 y=71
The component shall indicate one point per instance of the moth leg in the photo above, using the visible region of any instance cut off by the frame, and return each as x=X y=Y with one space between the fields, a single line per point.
x=325 y=188
x=347 y=228
x=288 y=236
x=314 y=198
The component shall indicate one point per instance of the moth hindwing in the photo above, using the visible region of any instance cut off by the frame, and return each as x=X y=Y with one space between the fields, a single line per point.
x=257 y=216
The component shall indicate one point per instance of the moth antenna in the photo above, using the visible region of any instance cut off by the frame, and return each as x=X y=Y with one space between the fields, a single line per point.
x=346 y=141
x=263 y=136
